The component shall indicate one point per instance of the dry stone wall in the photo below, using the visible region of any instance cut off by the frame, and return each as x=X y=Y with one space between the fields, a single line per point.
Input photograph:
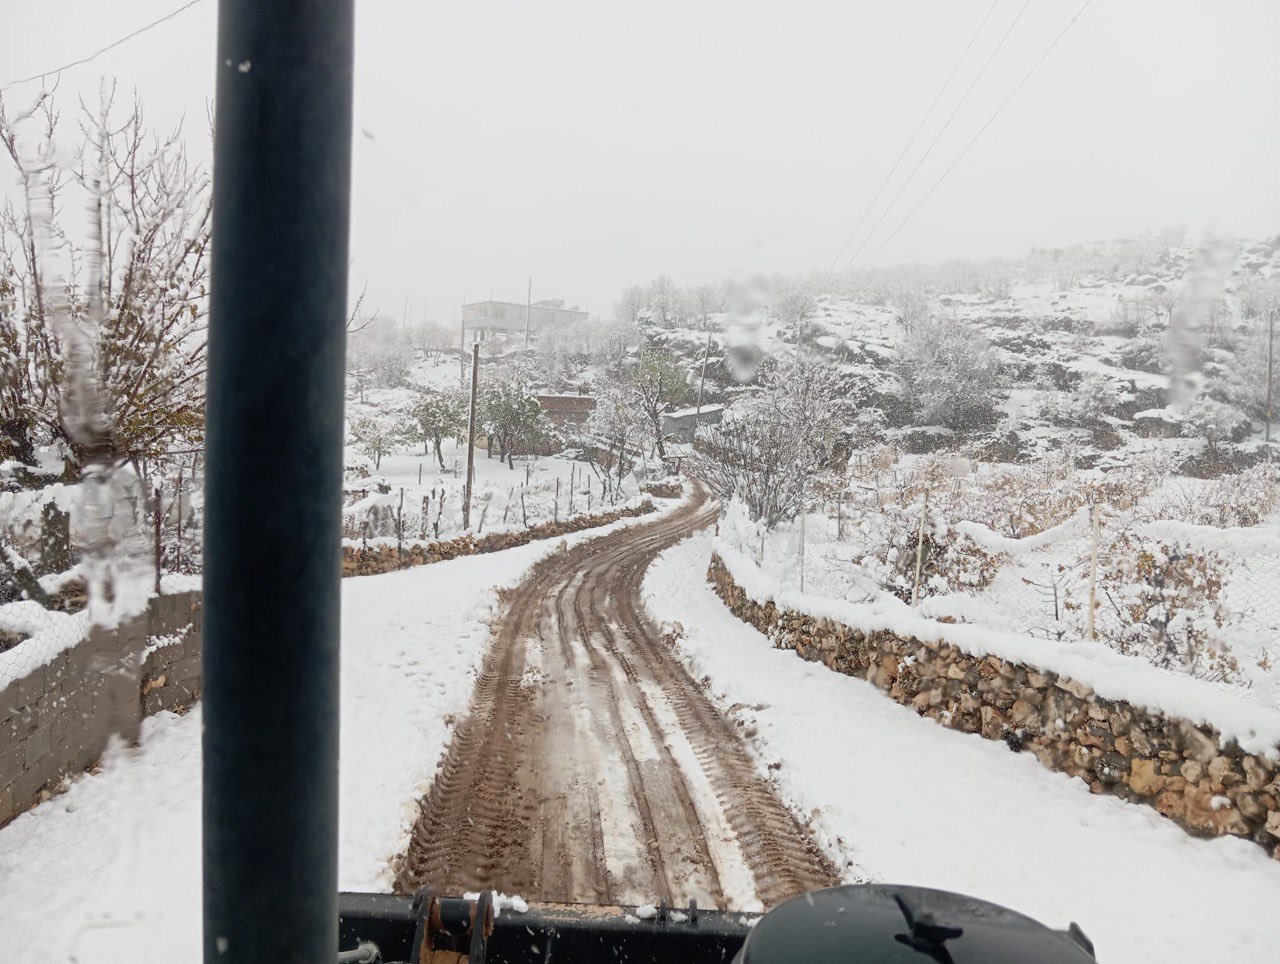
x=371 y=560
x=1208 y=786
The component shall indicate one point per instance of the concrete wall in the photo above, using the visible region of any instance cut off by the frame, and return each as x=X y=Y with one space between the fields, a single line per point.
x=58 y=719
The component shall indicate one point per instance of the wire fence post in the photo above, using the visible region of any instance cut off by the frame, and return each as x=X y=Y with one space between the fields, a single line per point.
x=803 y=515
x=915 y=586
x=1093 y=569
x=555 y=506
x=1271 y=336
x=400 y=527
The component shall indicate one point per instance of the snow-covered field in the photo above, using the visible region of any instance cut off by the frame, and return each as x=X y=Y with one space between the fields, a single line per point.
x=895 y=797
x=1184 y=567
x=537 y=490
x=110 y=870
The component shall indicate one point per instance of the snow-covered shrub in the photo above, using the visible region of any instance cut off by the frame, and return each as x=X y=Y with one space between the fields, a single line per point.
x=1163 y=602
x=949 y=561
x=1144 y=354
x=1096 y=396
x=1214 y=421
x=378 y=434
x=1242 y=499
x=950 y=375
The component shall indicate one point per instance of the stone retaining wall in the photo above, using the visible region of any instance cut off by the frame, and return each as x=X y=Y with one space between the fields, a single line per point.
x=57 y=719
x=1183 y=770
x=371 y=560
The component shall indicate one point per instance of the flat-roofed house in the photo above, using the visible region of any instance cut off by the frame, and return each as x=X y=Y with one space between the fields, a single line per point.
x=508 y=316
x=567 y=411
x=683 y=423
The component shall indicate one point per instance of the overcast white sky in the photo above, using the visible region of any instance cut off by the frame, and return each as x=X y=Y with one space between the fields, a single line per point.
x=591 y=144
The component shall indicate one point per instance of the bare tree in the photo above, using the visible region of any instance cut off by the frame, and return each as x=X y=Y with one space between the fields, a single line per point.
x=617 y=422
x=630 y=303
x=114 y=351
x=768 y=452
x=658 y=384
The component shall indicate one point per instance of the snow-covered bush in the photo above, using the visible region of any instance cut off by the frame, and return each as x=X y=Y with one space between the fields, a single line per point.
x=1242 y=499
x=950 y=375
x=949 y=561
x=1163 y=602
x=1144 y=354
x=378 y=434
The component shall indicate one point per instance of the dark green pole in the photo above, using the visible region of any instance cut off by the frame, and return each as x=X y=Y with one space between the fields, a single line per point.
x=281 y=204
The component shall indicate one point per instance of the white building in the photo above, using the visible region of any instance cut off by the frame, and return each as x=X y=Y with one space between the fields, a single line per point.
x=508 y=316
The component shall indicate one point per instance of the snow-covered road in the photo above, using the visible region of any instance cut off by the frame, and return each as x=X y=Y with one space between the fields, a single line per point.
x=110 y=870
x=898 y=798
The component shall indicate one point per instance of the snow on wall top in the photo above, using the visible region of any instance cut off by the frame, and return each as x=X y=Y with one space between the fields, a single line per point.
x=1111 y=675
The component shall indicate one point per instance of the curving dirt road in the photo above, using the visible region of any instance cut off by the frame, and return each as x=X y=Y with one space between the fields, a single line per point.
x=592 y=768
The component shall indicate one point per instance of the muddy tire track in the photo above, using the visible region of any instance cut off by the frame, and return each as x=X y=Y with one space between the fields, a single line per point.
x=592 y=768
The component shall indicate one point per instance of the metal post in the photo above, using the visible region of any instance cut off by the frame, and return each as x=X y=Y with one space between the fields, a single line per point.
x=277 y=332
x=915 y=586
x=803 y=516
x=1271 y=338
x=1090 y=629
x=471 y=437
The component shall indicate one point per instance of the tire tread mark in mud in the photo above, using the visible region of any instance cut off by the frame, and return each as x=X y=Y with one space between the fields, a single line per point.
x=484 y=822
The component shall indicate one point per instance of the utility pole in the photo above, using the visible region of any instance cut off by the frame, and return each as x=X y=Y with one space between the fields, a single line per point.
x=471 y=437
x=462 y=353
x=702 y=381
x=528 y=306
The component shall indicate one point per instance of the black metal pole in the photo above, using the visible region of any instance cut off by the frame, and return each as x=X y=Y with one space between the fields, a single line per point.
x=282 y=167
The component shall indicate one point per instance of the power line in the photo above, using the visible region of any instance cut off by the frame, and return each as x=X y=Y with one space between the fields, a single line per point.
x=1062 y=33
x=936 y=137
x=98 y=53
x=912 y=139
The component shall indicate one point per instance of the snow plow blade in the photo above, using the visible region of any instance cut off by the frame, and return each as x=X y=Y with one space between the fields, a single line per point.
x=400 y=926
x=872 y=923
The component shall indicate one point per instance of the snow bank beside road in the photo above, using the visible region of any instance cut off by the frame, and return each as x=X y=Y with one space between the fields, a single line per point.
x=896 y=797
